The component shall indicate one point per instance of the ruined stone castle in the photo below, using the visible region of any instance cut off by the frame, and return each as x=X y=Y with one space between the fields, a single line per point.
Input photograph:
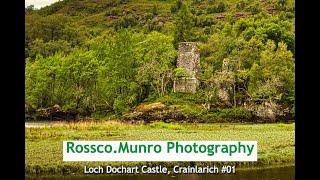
x=189 y=60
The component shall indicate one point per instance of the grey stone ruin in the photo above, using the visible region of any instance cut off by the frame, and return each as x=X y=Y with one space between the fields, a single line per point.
x=189 y=59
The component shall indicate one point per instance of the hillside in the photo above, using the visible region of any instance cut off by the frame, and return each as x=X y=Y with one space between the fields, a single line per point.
x=107 y=58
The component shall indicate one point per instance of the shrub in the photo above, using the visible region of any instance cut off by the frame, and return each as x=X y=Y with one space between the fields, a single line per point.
x=249 y=33
x=180 y=72
x=228 y=115
x=126 y=21
x=286 y=15
x=211 y=9
x=292 y=112
x=175 y=7
x=212 y=118
x=113 y=12
x=153 y=25
x=180 y=98
x=199 y=12
x=192 y=111
x=155 y=10
x=255 y=8
x=211 y=1
x=196 y=1
x=207 y=30
x=221 y=7
x=235 y=114
x=216 y=9
x=172 y=99
x=203 y=21
x=120 y=106
x=147 y=16
x=163 y=125
x=282 y=3
x=123 y=1
x=241 y=5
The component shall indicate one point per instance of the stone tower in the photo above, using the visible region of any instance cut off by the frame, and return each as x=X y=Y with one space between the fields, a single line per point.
x=189 y=60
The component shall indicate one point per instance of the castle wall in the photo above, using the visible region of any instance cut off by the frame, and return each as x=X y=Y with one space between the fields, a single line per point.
x=189 y=59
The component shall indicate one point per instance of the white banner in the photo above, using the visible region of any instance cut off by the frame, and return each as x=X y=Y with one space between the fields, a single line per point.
x=159 y=150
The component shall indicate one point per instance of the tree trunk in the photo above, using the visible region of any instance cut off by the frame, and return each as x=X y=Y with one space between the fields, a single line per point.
x=234 y=95
x=162 y=85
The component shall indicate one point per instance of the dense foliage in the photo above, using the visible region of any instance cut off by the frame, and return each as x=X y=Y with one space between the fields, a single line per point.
x=106 y=57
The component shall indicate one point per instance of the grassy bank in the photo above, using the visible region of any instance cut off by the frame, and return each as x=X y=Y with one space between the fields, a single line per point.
x=44 y=145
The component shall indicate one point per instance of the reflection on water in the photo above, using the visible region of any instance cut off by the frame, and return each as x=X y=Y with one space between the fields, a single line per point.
x=286 y=173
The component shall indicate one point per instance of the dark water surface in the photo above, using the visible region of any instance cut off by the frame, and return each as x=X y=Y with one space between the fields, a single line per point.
x=286 y=173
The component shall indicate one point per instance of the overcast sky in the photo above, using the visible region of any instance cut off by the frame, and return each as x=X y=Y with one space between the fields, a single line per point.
x=39 y=3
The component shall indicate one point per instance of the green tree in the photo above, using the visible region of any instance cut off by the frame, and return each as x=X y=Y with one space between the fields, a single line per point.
x=29 y=9
x=78 y=77
x=158 y=55
x=39 y=47
x=273 y=79
x=119 y=62
x=41 y=80
x=184 y=24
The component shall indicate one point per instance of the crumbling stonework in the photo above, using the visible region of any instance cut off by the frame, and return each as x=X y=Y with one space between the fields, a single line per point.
x=224 y=82
x=189 y=59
